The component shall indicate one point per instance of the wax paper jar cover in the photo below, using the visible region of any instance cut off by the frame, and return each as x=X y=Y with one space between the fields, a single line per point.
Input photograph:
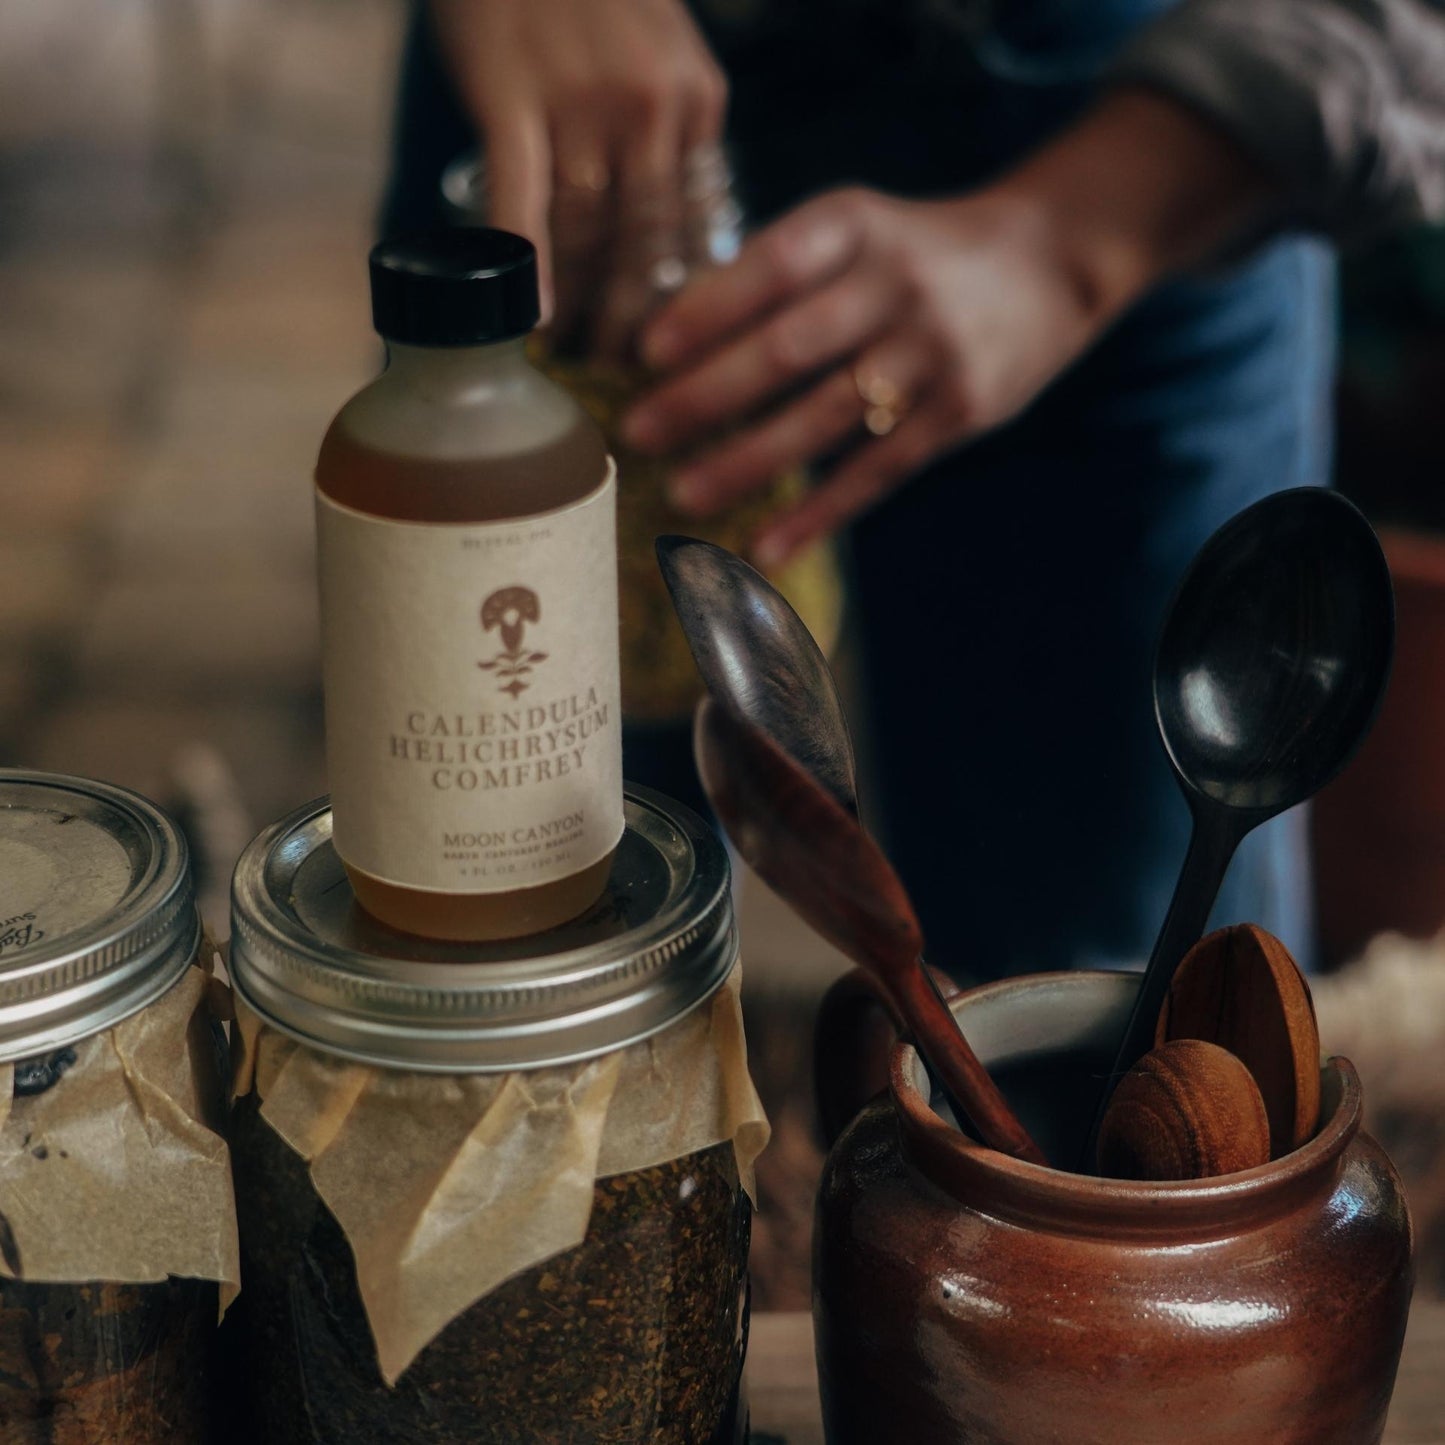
x=659 y=681
x=117 y=1222
x=964 y=1298
x=497 y=1194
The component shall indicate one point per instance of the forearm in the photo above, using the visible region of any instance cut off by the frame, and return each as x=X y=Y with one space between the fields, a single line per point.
x=1341 y=102
x=1139 y=188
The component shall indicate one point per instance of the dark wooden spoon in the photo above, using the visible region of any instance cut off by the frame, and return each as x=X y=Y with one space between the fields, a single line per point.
x=815 y=854
x=1268 y=675
x=1188 y=1110
x=1239 y=988
x=757 y=656
x=762 y=667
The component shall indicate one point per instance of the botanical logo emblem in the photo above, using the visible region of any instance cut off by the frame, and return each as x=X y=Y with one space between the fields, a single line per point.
x=509 y=610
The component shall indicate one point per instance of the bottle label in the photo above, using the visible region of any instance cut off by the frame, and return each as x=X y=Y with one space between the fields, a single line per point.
x=473 y=736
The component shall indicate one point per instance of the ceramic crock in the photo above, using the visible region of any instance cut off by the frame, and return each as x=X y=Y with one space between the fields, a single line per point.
x=966 y=1298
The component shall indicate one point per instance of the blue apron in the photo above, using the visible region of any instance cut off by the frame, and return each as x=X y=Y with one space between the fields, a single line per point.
x=1008 y=598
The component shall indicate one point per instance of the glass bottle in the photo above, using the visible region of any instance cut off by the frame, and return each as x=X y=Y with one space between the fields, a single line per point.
x=466 y=531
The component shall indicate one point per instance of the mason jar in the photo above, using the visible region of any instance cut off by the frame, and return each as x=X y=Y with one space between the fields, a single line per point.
x=117 y=1224
x=493 y=1193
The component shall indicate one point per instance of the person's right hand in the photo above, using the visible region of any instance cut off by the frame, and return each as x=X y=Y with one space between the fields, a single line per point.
x=587 y=110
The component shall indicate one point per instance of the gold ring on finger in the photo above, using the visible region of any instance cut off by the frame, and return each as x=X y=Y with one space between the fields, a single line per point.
x=882 y=398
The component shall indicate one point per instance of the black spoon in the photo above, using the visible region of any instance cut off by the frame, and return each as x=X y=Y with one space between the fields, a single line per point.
x=1268 y=675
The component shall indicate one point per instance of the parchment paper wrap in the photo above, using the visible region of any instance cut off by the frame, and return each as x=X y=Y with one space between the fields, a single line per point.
x=113 y=1173
x=447 y=1185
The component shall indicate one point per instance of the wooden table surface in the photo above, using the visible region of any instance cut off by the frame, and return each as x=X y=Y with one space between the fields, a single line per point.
x=783 y=1381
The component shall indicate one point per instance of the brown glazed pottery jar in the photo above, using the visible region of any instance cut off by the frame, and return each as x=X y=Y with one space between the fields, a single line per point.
x=965 y=1298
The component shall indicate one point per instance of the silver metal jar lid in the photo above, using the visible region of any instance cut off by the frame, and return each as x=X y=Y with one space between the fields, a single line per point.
x=97 y=909
x=311 y=963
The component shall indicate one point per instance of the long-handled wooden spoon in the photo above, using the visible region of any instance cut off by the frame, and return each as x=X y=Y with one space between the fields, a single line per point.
x=814 y=853
x=762 y=667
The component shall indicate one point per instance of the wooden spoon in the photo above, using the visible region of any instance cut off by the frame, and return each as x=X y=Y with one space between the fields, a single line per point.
x=1240 y=988
x=1188 y=1110
x=776 y=722
x=757 y=657
x=815 y=854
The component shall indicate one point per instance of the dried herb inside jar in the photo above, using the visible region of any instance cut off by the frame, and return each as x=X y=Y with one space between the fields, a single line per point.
x=635 y=1337
x=82 y=1364
x=85 y=1363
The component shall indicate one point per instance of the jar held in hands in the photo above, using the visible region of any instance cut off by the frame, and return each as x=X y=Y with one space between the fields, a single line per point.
x=659 y=681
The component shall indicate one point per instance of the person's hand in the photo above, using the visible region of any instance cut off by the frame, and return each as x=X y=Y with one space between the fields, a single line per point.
x=588 y=111
x=890 y=331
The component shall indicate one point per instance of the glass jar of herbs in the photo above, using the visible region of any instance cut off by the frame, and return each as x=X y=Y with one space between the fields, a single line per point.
x=636 y=271
x=493 y=1193
x=117 y=1224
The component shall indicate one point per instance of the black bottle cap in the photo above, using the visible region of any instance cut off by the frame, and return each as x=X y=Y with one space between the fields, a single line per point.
x=454 y=286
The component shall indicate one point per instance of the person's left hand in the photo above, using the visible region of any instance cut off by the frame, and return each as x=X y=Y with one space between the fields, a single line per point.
x=890 y=330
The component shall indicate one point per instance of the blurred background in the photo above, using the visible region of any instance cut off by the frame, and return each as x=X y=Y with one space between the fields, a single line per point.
x=187 y=192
